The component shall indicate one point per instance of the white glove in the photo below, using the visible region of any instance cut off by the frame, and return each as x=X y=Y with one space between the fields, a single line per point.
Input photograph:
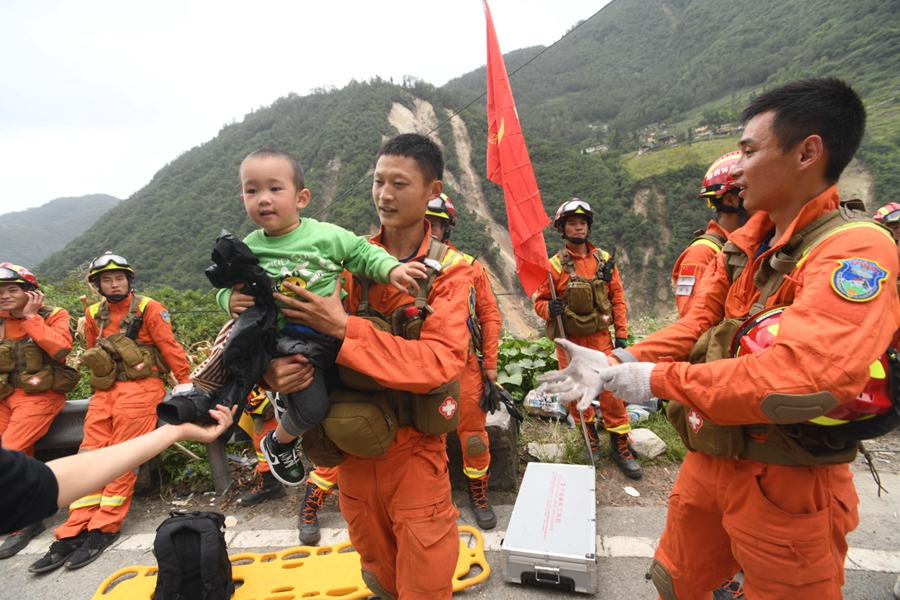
x=580 y=380
x=629 y=382
x=182 y=388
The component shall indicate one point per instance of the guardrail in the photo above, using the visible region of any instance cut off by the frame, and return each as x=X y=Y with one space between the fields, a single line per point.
x=67 y=431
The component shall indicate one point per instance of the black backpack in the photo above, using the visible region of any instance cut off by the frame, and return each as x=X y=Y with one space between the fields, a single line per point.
x=193 y=559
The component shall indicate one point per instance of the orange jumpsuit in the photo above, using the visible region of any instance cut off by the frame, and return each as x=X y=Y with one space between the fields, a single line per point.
x=785 y=526
x=615 y=417
x=398 y=506
x=324 y=478
x=472 y=437
x=123 y=412
x=261 y=426
x=690 y=267
x=25 y=418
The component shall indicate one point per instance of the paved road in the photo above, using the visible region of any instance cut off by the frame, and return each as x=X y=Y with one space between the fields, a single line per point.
x=627 y=536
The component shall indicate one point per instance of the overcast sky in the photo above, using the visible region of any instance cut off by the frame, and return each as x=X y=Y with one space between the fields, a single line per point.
x=96 y=96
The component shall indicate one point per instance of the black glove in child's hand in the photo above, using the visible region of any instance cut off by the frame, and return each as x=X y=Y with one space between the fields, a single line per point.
x=621 y=343
x=555 y=307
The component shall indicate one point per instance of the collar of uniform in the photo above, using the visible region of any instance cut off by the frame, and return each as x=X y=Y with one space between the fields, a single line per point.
x=590 y=251
x=423 y=246
x=117 y=306
x=759 y=226
x=714 y=227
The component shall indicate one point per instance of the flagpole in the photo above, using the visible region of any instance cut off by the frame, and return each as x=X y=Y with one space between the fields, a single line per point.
x=562 y=333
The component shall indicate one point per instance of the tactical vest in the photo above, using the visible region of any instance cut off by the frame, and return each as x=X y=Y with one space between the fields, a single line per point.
x=708 y=238
x=120 y=356
x=27 y=366
x=785 y=444
x=586 y=305
x=364 y=415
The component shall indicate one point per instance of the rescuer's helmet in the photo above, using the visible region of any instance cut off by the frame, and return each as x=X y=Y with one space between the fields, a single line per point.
x=570 y=208
x=10 y=273
x=718 y=180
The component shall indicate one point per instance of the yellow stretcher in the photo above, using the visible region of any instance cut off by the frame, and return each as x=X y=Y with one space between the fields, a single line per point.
x=331 y=572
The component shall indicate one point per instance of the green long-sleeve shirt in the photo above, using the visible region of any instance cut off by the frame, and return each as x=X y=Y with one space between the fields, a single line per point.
x=313 y=256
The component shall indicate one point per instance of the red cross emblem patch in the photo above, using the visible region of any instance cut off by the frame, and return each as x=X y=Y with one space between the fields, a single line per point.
x=34 y=381
x=448 y=408
x=138 y=366
x=695 y=420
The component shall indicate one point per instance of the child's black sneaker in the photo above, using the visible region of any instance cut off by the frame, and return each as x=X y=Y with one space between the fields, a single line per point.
x=283 y=459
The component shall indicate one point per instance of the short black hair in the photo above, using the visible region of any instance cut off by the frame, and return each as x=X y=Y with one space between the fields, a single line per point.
x=823 y=106
x=422 y=149
x=299 y=179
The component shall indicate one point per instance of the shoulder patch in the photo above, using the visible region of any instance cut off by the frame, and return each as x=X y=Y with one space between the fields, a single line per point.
x=858 y=279
x=165 y=316
x=687 y=277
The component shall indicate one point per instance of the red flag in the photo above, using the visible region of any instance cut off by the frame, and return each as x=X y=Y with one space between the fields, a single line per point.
x=508 y=165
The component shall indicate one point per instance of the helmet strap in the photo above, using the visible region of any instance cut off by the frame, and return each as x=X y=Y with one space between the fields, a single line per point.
x=576 y=240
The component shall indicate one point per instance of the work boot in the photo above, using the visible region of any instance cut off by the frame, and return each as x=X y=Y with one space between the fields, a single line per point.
x=268 y=489
x=17 y=540
x=283 y=459
x=620 y=452
x=59 y=552
x=94 y=545
x=593 y=439
x=308 y=521
x=481 y=506
x=730 y=590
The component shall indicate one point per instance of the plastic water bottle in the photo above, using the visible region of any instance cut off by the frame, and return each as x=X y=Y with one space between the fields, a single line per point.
x=636 y=413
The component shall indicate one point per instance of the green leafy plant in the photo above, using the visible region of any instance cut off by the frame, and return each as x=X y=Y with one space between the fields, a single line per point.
x=520 y=361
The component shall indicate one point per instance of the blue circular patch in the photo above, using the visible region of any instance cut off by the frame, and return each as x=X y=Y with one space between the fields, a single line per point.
x=165 y=316
x=858 y=279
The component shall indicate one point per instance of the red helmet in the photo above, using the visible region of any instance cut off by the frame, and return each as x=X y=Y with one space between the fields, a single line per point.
x=573 y=207
x=718 y=179
x=442 y=207
x=10 y=273
x=889 y=213
x=759 y=332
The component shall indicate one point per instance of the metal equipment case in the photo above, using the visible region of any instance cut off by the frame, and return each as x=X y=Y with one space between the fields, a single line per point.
x=551 y=540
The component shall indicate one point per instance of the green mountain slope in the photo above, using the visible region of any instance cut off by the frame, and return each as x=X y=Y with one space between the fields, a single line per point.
x=27 y=237
x=640 y=67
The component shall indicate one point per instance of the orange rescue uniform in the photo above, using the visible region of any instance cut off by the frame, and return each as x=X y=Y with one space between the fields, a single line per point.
x=123 y=412
x=785 y=526
x=472 y=436
x=25 y=418
x=615 y=417
x=691 y=265
x=398 y=507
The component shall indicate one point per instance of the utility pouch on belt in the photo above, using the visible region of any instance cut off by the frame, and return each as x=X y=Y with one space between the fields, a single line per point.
x=64 y=379
x=7 y=357
x=6 y=390
x=320 y=449
x=137 y=361
x=33 y=358
x=429 y=411
x=601 y=297
x=360 y=423
x=102 y=367
x=580 y=295
x=696 y=433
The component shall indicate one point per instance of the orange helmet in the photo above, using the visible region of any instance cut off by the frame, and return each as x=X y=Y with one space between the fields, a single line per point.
x=718 y=179
x=10 y=273
x=889 y=213
x=871 y=414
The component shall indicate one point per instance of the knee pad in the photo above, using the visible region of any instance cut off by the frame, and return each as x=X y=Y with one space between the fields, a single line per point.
x=259 y=423
x=475 y=445
x=372 y=583
x=662 y=579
